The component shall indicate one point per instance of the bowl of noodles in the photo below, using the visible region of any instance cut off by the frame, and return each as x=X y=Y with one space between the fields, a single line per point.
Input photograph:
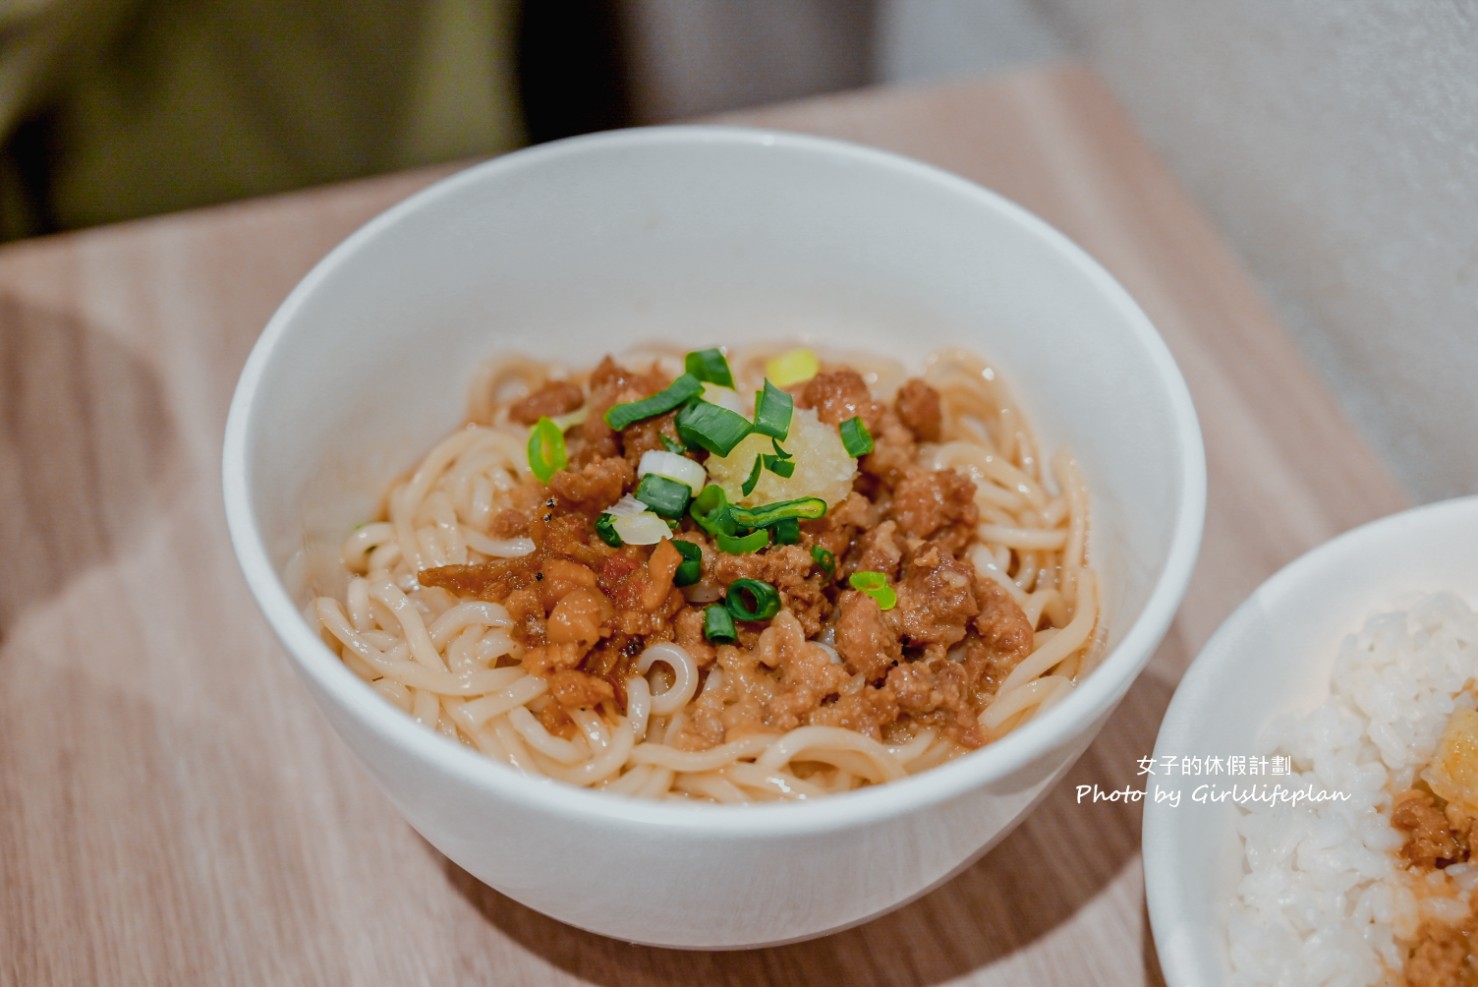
x=712 y=537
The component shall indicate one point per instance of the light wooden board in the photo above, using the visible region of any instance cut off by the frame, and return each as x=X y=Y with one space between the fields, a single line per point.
x=173 y=810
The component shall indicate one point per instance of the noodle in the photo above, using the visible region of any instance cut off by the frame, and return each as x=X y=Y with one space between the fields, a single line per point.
x=455 y=662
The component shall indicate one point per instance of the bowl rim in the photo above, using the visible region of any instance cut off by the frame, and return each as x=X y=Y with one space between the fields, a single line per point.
x=1165 y=888
x=1087 y=702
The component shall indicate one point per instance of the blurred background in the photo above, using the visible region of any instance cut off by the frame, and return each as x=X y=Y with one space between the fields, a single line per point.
x=1334 y=142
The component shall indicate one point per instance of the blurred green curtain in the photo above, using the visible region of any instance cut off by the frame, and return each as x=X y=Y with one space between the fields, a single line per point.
x=111 y=109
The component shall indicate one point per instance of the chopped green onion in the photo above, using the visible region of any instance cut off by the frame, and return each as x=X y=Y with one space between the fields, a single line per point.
x=710 y=509
x=856 y=438
x=605 y=527
x=808 y=508
x=546 y=449
x=636 y=524
x=779 y=452
x=713 y=513
x=824 y=559
x=716 y=429
x=672 y=445
x=576 y=417
x=645 y=528
x=780 y=467
x=742 y=544
x=792 y=367
x=679 y=392
x=754 y=477
x=690 y=569
x=668 y=498
x=772 y=410
x=709 y=365
x=875 y=585
x=673 y=467
x=718 y=626
x=752 y=599
x=787 y=531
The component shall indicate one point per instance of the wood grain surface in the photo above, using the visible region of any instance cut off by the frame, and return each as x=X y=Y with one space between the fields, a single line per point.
x=174 y=811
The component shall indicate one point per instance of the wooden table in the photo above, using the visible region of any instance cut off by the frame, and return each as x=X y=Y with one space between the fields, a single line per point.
x=173 y=810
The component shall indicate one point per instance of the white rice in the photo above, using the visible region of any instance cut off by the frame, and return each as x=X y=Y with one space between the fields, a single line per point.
x=1324 y=899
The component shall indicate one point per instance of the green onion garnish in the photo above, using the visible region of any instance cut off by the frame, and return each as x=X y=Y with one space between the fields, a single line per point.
x=672 y=445
x=669 y=498
x=672 y=466
x=752 y=599
x=787 y=531
x=772 y=408
x=714 y=514
x=807 y=508
x=546 y=449
x=824 y=559
x=714 y=428
x=780 y=467
x=856 y=438
x=742 y=544
x=875 y=585
x=754 y=477
x=779 y=452
x=690 y=569
x=709 y=365
x=710 y=509
x=605 y=527
x=718 y=626
x=680 y=391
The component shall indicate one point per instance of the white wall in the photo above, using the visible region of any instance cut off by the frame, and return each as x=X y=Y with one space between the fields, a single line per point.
x=924 y=40
x=1335 y=142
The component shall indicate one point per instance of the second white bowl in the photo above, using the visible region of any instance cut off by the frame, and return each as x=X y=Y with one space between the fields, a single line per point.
x=1275 y=655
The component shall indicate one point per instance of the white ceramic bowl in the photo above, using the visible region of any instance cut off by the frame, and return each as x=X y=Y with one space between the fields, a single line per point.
x=703 y=235
x=1273 y=655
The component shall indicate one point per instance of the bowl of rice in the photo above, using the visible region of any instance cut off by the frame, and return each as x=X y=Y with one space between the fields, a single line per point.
x=1310 y=803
